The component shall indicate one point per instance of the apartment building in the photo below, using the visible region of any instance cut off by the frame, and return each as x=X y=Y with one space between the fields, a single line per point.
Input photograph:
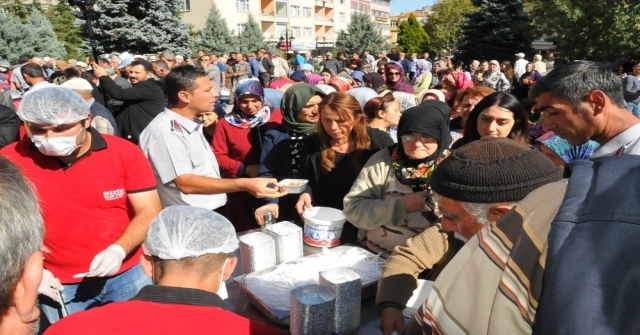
x=313 y=24
x=420 y=14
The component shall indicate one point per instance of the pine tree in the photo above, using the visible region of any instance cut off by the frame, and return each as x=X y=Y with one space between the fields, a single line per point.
x=17 y=8
x=65 y=26
x=45 y=40
x=361 y=34
x=250 y=37
x=15 y=40
x=141 y=27
x=216 y=37
x=412 y=37
x=498 y=30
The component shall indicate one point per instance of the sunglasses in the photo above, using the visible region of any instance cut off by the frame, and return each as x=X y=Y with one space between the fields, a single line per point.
x=393 y=73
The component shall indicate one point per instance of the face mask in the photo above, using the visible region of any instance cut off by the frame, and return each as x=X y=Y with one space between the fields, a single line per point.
x=57 y=146
x=222 y=289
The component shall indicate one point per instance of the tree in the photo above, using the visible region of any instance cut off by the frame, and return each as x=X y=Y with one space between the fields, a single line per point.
x=498 y=30
x=15 y=40
x=444 y=24
x=17 y=8
x=250 y=38
x=361 y=34
x=141 y=27
x=45 y=40
x=603 y=30
x=66 y=27
x=216 y=37
x=412 y=37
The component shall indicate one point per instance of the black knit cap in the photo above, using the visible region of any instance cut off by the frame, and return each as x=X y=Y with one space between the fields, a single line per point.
x=493 y=170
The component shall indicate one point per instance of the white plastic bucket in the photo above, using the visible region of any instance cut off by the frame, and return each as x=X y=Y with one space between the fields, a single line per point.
x=323 y=226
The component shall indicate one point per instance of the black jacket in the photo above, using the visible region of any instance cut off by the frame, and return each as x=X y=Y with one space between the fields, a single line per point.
x=9 y=126
x=141 y=103
x=268 y=65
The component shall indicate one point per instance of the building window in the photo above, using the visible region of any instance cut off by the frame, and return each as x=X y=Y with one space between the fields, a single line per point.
x=308 y=32
x=240 y=28
x=281 y=8
x=242 y=5
x=342 y=17
x=306 y=11
x=295 y=31
x=186 y=5
x=281 y=30
x=354 y=5
x=394 y=23
x=295 y=10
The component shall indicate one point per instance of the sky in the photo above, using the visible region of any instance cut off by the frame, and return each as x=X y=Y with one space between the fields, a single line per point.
x=398 y=6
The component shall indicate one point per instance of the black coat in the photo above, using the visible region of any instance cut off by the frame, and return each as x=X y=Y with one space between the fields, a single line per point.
x=141 y=103
x=9 y=126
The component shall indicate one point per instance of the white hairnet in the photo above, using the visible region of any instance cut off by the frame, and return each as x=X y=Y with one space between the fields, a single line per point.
x=53 y=105
x=187 y=231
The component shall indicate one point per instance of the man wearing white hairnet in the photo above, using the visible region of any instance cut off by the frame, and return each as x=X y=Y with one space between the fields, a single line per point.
x=98 y=197
x=187 y=256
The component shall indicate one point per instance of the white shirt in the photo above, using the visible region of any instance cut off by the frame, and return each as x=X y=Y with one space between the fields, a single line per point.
x=625 y=143
x=175 y=145
x=520 y=67
x=37 y=86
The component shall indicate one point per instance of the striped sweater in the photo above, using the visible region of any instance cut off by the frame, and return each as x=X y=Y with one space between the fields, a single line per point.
x=510 y=252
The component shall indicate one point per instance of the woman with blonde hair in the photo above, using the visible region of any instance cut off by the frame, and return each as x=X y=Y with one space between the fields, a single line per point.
x=335 y=155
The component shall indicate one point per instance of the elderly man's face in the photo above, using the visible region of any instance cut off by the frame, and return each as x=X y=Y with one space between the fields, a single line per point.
x=456 y=219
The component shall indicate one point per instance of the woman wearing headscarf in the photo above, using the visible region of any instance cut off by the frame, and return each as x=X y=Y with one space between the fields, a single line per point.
x=395 y=79
x=423 y=78
x=326 y=88
x=298 y=77
x=314 y=79
x=453 y=82
x=495 y=79
x=375 y=82
x=237 y=144
x=282 y=146
x=340 y=84
x=362 y=94
x=391 y=199
x=358 y=78
x=336 y=154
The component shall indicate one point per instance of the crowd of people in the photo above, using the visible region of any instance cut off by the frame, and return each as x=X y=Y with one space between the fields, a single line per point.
x=128 y=177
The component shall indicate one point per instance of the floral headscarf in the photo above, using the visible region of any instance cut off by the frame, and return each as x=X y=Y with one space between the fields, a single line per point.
x=237 y=117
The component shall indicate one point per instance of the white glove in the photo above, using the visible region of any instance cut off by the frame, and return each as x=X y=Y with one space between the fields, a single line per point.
x=49 y=285
x=107 y=262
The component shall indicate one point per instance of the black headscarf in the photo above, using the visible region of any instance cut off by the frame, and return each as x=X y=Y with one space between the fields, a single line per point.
x=429 y=118
x=375 y=79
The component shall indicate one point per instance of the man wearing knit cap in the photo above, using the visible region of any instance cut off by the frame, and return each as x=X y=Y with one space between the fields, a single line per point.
x=474 y=186
x=564 y=259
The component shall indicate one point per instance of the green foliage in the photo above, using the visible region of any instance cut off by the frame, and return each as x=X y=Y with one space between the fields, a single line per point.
x=444 y=24
x=18 y=8
x=66 y=27
x=361 y=34
x=43 y=36
x=498 y=30
x=14 y=40
x=216 y=37
x=141 y=27
x=251 y=37
x=34 y=37
x=412 y=37
x=602 y=30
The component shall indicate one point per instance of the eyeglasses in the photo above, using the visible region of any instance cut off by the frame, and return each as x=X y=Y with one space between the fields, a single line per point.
x=413 y=138
x=393 y=73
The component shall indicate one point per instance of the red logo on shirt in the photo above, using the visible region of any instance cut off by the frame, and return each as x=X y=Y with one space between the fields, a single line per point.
x=113 y=195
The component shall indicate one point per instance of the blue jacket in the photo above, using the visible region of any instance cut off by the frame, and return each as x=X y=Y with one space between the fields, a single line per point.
x=255 y=67
x=593 y=265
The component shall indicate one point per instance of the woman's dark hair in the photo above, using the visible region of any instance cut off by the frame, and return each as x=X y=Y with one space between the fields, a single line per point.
x=459 y=64
x=372 y=106
x=520 y=130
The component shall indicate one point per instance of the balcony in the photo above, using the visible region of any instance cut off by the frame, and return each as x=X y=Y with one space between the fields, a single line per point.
x=328 y=3
x=267 y=16
x=319 y=3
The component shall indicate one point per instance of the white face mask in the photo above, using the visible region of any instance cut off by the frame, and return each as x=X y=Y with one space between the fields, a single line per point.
x=57 y=146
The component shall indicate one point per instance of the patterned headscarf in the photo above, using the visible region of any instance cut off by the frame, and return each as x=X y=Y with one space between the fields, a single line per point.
x=237 y=117
x=422 y=66
x=566 y=151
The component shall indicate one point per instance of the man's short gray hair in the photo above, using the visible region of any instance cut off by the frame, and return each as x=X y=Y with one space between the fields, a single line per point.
x=21 y=228
x=168 y=55
x=538 y=57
